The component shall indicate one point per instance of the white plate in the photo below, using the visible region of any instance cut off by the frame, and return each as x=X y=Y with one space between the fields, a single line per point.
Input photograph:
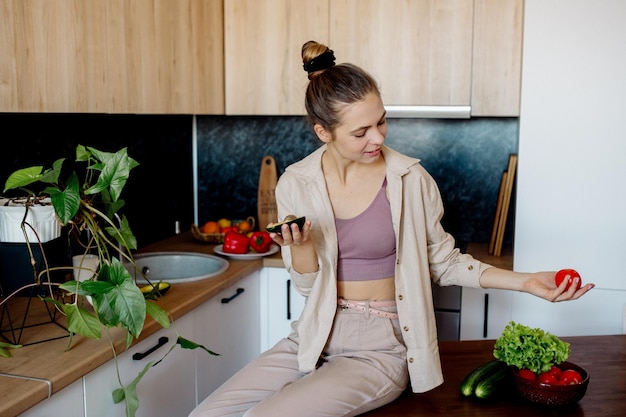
x=219 y=249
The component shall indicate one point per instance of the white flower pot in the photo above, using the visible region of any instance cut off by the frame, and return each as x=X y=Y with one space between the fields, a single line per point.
x=42 y=218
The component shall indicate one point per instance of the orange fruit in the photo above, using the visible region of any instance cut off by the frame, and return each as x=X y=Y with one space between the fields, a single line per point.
x=211 y=227
x=244 y=226
x=224 y=223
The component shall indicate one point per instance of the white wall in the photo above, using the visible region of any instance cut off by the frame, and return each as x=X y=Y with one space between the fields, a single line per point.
x=571 y=190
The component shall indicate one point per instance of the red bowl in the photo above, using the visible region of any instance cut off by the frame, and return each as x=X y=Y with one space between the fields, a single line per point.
x=552 y=395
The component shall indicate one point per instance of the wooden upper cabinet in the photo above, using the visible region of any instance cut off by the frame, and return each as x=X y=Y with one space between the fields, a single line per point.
x=41 y=67
x=497 y=62
x=242 y=57
x=420 y=51
x=113 y=56
x=262 y=45
x=166 y=56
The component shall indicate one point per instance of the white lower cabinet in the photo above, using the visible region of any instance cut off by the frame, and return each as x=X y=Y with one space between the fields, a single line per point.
x=66 y=402
x=281 y=304
x=166 y=390
x=227 y=324
x=599 y=312
x=484 y=313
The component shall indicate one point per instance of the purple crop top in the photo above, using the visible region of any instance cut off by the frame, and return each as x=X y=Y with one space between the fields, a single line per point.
x=367 y=242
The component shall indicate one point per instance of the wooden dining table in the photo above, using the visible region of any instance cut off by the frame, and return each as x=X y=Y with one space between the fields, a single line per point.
x=604 y=358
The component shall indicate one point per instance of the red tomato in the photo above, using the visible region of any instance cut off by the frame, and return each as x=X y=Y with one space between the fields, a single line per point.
x=229 y=229
x=527 y=374
x=547 y=378
x=556 y=371
x=570 y=376
x=560 y=276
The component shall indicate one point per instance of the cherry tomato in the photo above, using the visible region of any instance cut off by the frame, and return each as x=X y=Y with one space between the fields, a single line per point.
x=547 y=378
x=556 y=371
x=570 y=376
x=560 y=276
x=527 y=374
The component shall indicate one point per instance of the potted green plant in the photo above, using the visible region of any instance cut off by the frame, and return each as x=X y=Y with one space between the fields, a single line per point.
x=90 y=209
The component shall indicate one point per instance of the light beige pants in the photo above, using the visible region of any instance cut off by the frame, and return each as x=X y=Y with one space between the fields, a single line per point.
x=363 y=368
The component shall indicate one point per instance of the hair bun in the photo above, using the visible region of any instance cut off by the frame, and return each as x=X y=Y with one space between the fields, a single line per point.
x=321 y=62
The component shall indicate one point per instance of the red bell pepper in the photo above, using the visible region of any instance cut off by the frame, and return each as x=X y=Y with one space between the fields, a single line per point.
x=261 y=241
x=236 y=243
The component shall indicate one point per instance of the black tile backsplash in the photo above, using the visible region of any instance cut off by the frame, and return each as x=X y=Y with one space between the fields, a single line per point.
x=159 y=190
x=466 y=157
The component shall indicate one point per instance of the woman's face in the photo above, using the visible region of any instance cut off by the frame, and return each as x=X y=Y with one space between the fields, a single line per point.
x=361 y=131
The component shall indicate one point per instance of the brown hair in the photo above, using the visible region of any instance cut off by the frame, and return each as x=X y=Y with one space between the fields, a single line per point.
x=332 y=87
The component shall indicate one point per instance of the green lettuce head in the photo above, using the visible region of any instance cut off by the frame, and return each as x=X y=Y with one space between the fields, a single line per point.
x=527 y=348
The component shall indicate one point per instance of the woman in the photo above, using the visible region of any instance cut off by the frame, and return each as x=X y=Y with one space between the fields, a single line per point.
x=365 y=259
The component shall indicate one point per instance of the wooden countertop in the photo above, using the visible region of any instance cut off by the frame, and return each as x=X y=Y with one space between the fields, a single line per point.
x=49 y=361
x=604 y=358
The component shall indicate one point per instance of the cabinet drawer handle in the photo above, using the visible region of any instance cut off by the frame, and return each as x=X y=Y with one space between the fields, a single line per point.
x=486 y=316
x=288 y=299
x=232 y=297
x=140 y=355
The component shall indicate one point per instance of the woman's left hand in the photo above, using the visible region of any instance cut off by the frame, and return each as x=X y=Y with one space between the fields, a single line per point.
x=542 y=284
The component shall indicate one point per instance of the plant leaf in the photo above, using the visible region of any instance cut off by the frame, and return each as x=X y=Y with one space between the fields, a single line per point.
x=89 y=287
x=82 y=154
x=127 y=237
x=67 y=202
x=23 y=177
x=51 y=175
x=4 y=349
x=158 y=314
x=114 y=173
x=188 y=344
x=81 y=321
x=129 y=393
x=124 y=304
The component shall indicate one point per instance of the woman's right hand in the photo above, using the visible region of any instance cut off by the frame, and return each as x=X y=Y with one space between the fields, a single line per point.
x=300 y=243
x=292 y=236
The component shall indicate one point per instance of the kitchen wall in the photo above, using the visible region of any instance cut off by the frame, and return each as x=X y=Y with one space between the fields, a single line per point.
x=571 y=171
x=466 y=157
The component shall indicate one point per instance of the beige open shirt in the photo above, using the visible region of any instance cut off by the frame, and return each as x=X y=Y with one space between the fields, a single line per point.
x=424 y=252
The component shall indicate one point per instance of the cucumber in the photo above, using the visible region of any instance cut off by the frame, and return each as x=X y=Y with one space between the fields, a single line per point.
x=488 y=386
x=469 y=383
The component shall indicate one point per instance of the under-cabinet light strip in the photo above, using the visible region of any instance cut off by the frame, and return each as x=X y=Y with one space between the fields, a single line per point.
x=429 y=112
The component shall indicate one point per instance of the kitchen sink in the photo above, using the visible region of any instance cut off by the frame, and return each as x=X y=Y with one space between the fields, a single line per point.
x=176 y=267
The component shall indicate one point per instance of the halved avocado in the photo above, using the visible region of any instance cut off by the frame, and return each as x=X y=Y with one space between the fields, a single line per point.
x=155 y=290
x=276 y=227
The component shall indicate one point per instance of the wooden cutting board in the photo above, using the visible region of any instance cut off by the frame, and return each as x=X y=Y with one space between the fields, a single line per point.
x=266 y=202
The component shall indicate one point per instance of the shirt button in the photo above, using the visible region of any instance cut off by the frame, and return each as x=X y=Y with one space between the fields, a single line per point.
x=405 y=328
x=410 y=360
x=400 y=297
x=471 y=267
